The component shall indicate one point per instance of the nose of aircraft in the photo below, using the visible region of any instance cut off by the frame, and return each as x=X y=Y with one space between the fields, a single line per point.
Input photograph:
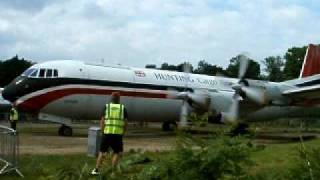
x=7 y=94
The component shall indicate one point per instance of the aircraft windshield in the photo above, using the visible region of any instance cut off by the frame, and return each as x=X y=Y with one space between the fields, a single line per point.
x=27 y=72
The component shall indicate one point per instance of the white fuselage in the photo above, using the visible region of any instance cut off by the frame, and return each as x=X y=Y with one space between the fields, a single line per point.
x=144 y=91
x=81 y=90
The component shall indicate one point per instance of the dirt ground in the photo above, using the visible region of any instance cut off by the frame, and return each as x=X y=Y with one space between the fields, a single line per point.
x=40 y=138
x=43 y=139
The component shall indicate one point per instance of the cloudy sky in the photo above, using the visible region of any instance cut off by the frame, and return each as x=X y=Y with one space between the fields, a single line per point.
x=140 y=32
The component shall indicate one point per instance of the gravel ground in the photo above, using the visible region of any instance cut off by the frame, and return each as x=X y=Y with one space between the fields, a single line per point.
x=40 y=138
x=43 y=139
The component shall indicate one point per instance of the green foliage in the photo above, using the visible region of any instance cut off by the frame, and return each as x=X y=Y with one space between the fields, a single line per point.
x=253 y=71
x=151 y=66
x=179 y=67
x=221 y=157
x=294 y=58
x=37 y=167
x=208 y=69
x=273 y=68
x=307 y=164
x=74 y=172
x=11 y=68
x=199 y=120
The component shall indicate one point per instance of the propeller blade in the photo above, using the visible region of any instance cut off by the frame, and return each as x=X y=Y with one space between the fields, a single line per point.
x=177 y=95
x=233 y=115
x=187 y=67
x=184 y=115
x=244 y=62
x=255 y=94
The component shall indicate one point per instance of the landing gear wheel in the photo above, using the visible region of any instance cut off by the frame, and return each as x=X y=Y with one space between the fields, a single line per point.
x=241 y=129
x=65 y=131
x=169 y=126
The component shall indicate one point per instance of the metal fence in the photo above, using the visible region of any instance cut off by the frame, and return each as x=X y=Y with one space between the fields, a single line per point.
x=9 y=150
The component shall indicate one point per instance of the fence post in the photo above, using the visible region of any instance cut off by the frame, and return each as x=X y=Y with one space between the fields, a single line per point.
x=9 y=150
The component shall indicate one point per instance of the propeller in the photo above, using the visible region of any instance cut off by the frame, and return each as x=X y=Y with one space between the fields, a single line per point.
x=242 y=89
x=244 y=62
x=183 y=121
x=257 y=95
x=184 y=114
x=232 y=115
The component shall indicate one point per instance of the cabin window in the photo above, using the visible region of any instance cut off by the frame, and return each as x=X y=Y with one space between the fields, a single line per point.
x=34 y=73
x=42 y=72
x=55 y=73
x=49 y=73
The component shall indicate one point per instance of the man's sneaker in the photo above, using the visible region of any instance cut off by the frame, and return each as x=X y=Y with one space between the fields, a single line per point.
x=95 y=171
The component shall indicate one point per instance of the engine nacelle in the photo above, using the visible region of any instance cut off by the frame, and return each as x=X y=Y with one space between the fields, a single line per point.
x=199 y=101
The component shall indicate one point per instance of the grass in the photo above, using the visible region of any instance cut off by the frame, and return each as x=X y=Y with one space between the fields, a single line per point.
x=276 y=158
x=272 y=158
x=41 y=166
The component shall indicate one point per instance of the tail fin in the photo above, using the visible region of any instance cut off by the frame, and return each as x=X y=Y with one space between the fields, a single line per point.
x=311 y=63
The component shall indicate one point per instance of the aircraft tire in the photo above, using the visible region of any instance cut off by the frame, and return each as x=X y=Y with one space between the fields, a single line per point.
x=169 y=126
x=241 y=129
x=65 y=131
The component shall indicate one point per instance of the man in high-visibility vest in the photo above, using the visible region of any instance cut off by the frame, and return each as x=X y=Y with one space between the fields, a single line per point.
x=113 y=123
x=14 y=117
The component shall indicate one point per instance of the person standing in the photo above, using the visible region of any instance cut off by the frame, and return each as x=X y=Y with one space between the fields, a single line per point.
x=14 y=117
x=113 y=123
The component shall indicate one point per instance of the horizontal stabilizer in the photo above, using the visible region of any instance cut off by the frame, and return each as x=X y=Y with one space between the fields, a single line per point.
x=309 y=95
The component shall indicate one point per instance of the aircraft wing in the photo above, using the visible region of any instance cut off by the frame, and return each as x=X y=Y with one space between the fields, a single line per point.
x=309 y=95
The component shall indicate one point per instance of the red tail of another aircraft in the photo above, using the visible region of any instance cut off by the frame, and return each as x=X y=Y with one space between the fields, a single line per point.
x=311 y=63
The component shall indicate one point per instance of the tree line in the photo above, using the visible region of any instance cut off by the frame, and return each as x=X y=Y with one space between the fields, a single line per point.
x=274 y=68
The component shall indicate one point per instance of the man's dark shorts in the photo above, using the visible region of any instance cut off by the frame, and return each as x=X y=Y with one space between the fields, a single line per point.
x=111 y=140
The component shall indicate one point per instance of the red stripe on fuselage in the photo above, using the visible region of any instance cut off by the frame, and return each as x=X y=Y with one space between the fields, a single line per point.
x=36 y=103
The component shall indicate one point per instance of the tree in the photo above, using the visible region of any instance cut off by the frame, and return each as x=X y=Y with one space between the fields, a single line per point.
x=166 y=66
x=209 y=69
x=179 y=67
x=294 y=58
x=151 y=66
x=253 y=71
x=11 y=68
x=273 y=67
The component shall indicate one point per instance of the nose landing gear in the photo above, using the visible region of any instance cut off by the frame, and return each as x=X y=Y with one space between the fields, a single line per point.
x=65 y=130
x=169 y=126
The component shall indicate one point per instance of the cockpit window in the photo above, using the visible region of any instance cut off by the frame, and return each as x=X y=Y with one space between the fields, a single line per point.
x=49 y=73
x=42 y=72
x=27 y=72
x=34 y=73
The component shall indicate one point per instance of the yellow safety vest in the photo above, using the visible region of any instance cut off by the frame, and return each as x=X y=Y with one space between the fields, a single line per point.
x=114 y=119
x=15 y=115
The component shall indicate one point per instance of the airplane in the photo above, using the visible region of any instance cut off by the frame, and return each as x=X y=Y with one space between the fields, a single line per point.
x=64 y=90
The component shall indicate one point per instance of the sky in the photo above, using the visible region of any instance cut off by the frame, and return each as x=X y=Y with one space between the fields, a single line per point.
x=140 y=32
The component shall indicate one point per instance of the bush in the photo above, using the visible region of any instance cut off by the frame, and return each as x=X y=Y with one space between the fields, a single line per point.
x=193 y=158
x=308 y=164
